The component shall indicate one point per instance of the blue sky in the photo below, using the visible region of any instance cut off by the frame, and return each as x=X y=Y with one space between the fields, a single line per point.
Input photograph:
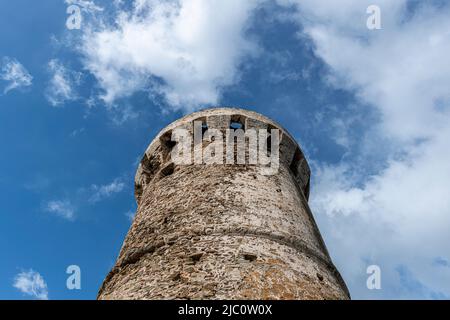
x=369 y=107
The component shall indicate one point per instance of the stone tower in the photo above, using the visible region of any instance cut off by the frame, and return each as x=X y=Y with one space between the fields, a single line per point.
x=223 y=231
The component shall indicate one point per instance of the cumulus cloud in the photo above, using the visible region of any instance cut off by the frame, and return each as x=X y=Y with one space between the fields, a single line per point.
x=183 y=51
x=13 y=72
x=398 y=216
x=62 y=86
x=400 y=69
x=32 y=284
x=102 y=192
x=61 y=208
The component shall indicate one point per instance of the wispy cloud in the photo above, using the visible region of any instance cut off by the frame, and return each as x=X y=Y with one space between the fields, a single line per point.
x=66 y=208
x=62 y=86
x=32 y=284
x=410 y=283
x=61 y=208
x=102 y=192
x=130 y=215
x=439 y=261
x=77 y=132
x=13 y=72
x=123 y=114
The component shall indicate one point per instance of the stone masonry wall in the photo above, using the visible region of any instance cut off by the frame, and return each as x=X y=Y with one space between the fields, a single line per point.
x=223 y=231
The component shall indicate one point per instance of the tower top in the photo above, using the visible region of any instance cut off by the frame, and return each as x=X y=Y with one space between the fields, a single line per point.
x=222 y=118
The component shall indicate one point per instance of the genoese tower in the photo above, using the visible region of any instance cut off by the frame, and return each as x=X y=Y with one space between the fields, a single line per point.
x=223 y=231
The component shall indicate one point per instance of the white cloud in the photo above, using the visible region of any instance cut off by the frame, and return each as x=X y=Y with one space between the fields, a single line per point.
x=122 y=114
x=185 y=51
x=77 y=132
x=31 y=283
x=62 y=208
x=401 y=70
x=400 y=216
x=62 y=86
x=100 y=193
x=397 y=216
x=85 y=5
x=13 y=72
x=130 y=215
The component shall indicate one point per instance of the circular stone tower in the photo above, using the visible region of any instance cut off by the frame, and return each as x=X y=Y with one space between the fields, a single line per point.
x=223 y=231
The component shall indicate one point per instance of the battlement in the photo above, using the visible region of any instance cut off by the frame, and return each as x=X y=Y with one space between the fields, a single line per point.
x=156 y=161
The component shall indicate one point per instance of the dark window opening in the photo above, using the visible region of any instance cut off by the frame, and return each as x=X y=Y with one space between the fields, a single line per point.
x=168 y=170
x=269 y=139
x=167 y=145
x=204 y=128
x=196 y=256
x=269 y=144
x=307 y=190
x=237 y=122
x=295 y=162
x=319 y=276
x=170 y=144
x=166 y=141
x=250 y=257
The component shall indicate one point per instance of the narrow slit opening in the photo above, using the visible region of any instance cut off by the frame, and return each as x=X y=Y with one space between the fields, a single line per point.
x=204 y=127
x=295 y=162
